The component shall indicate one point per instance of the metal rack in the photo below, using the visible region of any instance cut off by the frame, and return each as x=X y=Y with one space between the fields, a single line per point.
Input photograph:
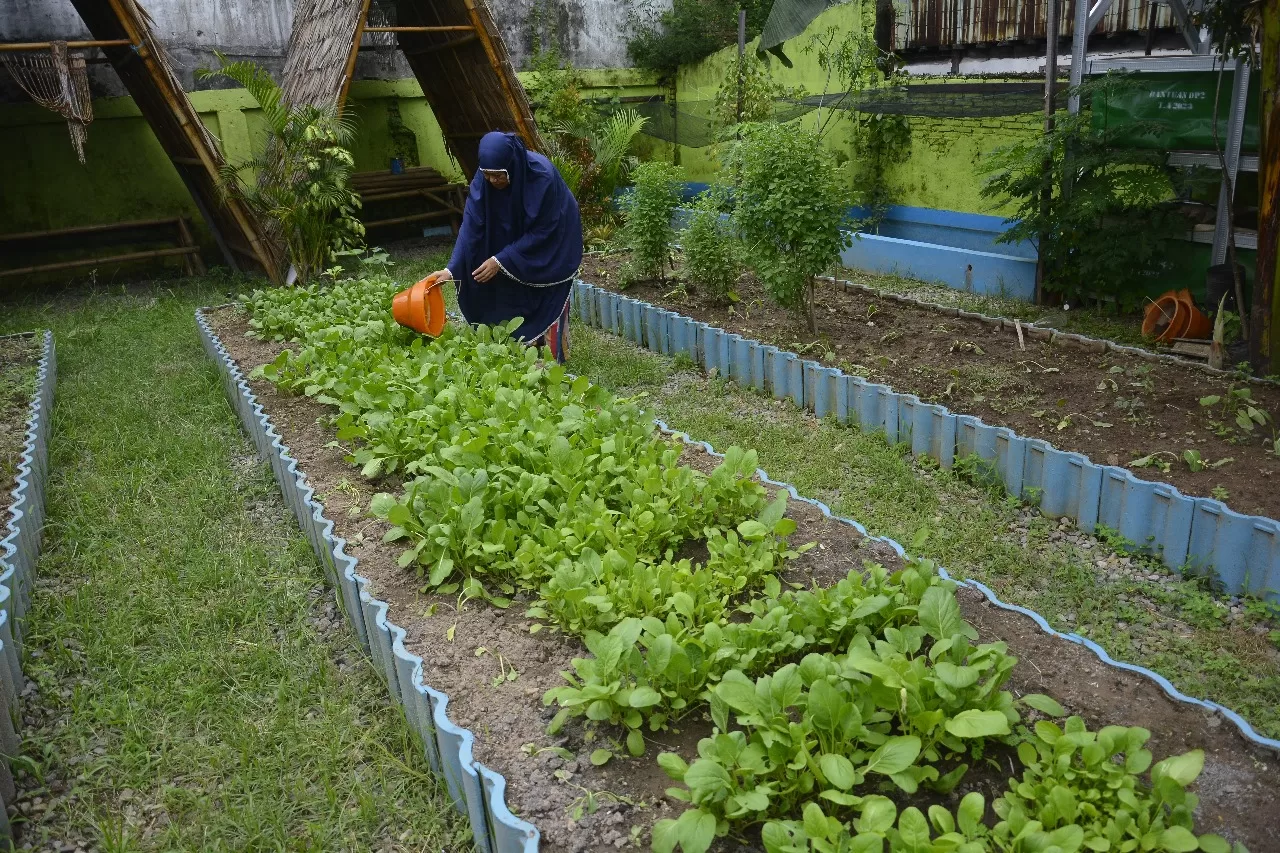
x=1087 y=18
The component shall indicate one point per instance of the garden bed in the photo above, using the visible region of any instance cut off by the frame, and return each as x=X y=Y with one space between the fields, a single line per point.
x=557 y=793
x=19 y=358
x=1113 y=407
x=27 y=371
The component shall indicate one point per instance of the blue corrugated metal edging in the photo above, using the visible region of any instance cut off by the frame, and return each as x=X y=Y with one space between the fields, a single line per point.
x=1199 y=534
x=477 y=791
x=19 y=549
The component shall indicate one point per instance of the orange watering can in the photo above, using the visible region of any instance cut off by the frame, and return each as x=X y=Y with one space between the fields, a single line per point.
x=421 y=307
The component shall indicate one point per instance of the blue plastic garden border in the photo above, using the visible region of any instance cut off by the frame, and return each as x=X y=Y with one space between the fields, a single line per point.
x=19 y=549
x=1070 y=484
x=476 y=791
x=1201 y=534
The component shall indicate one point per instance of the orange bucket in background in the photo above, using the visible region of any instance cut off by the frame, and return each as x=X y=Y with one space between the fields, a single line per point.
x=421 y=307
x=1175 y=315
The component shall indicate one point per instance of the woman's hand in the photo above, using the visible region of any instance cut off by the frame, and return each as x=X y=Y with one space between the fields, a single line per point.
x=486 y=271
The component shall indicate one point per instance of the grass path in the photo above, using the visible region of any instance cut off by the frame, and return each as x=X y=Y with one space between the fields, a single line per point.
x=1210 y=647
x=194 y=686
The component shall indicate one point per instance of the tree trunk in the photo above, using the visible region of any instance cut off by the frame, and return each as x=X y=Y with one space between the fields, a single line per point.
x=1264 y=343
x=809 y=313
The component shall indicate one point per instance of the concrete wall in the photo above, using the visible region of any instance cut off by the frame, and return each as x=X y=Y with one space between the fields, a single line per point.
x=127 y=177
x=591 y=34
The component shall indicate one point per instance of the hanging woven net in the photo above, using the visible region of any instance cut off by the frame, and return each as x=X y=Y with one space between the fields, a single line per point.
x=56 y=81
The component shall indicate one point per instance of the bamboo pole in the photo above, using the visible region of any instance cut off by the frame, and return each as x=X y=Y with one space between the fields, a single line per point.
x=416 y=217
x=88 y=229
x=349 y=72
x=522 y=124
x=457 y=29
x=112 y=259
x=188 y=239
x=127 y=14
x=71 y=45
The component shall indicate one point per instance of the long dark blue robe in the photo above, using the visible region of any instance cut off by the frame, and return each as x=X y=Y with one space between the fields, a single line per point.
x=532 y=228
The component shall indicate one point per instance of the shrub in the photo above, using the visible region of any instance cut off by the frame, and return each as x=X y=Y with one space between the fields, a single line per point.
x=648 y=210
x=1117 y=191
x=710 y=251
x=301 y=186
x=789 y=210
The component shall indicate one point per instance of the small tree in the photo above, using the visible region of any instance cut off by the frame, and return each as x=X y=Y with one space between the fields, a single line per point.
x=1105 y=235
x=710 y=251
x=789 y=210
x=299 y=184
x=648 y=210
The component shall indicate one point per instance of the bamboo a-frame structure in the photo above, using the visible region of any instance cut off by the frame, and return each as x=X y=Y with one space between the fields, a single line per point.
x=139 y=59
x=452 y=46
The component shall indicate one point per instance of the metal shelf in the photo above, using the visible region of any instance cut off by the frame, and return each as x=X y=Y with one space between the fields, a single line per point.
x=1248 y=162
x=1148 y=64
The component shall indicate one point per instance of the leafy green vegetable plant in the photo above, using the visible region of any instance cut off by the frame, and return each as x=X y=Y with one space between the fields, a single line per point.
x=1084 y=789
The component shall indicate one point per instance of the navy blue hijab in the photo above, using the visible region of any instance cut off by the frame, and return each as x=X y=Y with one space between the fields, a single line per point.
x=533 y=229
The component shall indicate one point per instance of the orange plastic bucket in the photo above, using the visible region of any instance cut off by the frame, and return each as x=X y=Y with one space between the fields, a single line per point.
x=421 y=307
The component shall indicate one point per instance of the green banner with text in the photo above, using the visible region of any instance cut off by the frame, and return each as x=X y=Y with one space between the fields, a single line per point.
x=1182 y=104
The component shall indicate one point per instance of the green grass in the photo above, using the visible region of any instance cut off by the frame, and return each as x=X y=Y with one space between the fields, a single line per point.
x=1091 y=321
x=189 y=697
x=1139 y=612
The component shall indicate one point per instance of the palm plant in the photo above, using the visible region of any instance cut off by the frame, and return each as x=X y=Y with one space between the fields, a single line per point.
x=594 y=156
x=301 y=186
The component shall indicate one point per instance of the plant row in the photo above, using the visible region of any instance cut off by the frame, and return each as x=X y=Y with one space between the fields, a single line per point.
x=518 y=480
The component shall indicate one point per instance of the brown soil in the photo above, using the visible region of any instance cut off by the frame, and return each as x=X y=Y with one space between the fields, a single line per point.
x=1241 y=783
x=18 y=356
x=1113 y=407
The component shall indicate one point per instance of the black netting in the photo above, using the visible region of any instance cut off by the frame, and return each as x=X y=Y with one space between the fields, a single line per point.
x=693 y=124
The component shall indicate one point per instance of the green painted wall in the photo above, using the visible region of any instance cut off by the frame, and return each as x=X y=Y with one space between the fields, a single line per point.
x=942 y=170
x=126 y=175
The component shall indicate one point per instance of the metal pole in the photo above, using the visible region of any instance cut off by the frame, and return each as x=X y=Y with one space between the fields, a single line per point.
x=742 y=54
x=1079 y=49
x=1050 y=107
x=1231 y=152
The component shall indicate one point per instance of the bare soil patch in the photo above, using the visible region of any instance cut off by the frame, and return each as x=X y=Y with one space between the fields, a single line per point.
x=19 y=355
x=558 y=795
x=1113 y=407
